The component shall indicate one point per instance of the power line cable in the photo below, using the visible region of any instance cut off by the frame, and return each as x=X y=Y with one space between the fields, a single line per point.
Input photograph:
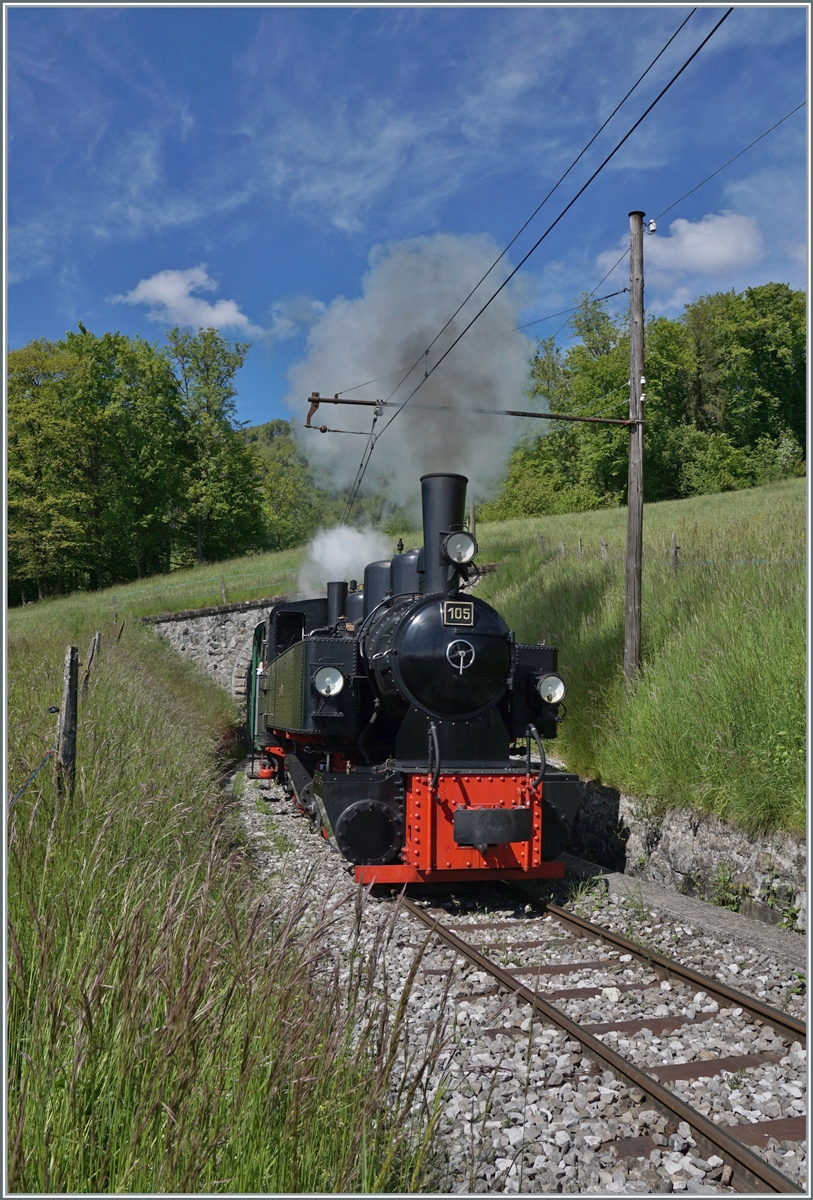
x=371 y=445
x=550 y=316
x=566 y=209
x=676 y=202
x=728 y=164
x=659 y=215
x=539 y=206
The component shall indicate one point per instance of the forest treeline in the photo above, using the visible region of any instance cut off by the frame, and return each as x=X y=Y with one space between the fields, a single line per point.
x=724 y=408
x=125 y=458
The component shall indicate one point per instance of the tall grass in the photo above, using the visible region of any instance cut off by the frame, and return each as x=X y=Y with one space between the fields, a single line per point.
x=716 y=720
x=171 y=1028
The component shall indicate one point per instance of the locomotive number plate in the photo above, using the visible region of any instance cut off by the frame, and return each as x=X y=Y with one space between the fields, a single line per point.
x=458 y=612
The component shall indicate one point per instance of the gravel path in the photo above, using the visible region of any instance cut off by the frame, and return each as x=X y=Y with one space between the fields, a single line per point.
x=520 y=1109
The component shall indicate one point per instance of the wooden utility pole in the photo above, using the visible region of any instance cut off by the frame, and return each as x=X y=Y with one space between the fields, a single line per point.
x=635 y=487
x=66 y=734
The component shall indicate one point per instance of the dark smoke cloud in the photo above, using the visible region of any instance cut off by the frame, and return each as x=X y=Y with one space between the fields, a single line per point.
x=409 y=292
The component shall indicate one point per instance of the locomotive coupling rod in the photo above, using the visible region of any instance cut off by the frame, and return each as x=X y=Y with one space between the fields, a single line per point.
x=751 y=1173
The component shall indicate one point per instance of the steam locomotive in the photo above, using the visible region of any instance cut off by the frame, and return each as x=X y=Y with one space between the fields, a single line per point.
x=391 y=713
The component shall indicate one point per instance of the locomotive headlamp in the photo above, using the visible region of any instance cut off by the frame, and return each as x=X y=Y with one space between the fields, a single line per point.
x=328 y=681
x=551 y=688
x=459 y=548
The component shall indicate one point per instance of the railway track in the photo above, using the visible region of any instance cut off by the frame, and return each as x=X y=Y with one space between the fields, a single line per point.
x=523 y=1104
x=565 y=968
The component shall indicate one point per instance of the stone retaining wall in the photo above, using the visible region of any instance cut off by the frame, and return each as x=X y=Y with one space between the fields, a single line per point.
x=217 y=639
x=697 y=855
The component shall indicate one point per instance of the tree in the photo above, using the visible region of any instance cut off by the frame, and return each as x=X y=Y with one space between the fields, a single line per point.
x=45 y=497
x=134 y=432
x=222 y=478
x=724 y=404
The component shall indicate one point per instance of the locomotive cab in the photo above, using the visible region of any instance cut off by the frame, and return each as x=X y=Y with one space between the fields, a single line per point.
x=397 y=730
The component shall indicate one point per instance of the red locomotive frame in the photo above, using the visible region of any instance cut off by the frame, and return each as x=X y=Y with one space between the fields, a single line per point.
x=430 y=852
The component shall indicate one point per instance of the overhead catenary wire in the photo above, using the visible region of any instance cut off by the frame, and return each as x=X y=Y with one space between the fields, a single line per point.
x=369 y=449
x=690 y=192
x=523 y=227
x=625 y=253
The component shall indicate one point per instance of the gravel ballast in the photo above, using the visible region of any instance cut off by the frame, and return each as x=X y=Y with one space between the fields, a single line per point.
x=521 y=1109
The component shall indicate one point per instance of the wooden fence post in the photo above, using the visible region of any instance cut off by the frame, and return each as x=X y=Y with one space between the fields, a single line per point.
x=562 y=547
x=66 y=737
x=223 y=589
x=603 y=550
x=95 y=649
x=540 y=541
x=580 y=547
x=675 y=548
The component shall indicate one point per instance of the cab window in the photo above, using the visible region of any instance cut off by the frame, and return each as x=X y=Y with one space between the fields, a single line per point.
x=290 y=629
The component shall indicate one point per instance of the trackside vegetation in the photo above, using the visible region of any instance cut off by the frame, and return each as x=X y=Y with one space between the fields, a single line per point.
x=716 y=720
x=170 y=1027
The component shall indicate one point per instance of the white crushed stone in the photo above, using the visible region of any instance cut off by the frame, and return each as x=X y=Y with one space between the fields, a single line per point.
x=521 y=1109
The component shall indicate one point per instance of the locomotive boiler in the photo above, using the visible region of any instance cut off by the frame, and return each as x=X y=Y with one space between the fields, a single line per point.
x=404 y=717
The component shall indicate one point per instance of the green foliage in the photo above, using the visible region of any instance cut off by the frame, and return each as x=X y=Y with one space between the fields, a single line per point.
x=725 y=405
x=124 y=460
x=221 y=474
x=172 y=1026
x=293 y=506
x=716 y=720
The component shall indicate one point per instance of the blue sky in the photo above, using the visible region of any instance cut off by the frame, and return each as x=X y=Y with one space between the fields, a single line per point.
x=254 y=167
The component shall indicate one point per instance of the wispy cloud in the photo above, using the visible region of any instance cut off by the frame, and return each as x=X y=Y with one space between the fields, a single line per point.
x=172 y=293
x=718 y=244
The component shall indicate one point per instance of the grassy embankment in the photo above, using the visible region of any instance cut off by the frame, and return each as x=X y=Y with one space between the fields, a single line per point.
x=716 y=721
x=169 y=1028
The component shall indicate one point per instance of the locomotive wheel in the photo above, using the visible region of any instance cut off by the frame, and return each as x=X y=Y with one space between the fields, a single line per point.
x=370 y=832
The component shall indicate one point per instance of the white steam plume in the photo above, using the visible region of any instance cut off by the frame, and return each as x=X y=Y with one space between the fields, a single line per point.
x=336 y=554
x=409 y=292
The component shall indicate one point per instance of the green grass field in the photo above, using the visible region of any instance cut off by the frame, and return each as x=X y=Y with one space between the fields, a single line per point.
x=716 y=721
x=170 y=1028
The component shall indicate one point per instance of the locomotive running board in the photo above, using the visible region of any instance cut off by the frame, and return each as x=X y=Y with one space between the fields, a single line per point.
x=400 y=873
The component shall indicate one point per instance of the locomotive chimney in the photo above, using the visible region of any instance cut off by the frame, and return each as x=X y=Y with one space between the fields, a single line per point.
x=336 y=598
x=443 y=499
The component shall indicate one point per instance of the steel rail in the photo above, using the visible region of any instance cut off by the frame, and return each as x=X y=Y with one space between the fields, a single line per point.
x=750 y=1173
x=792 y=1027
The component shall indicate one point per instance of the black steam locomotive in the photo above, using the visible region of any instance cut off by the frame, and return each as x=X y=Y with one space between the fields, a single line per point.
x=391 y=713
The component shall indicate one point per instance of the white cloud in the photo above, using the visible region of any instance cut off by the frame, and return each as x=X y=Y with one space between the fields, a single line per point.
x=797 y=252
x=678 y=300
x=172 y=292
x=719 y=242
